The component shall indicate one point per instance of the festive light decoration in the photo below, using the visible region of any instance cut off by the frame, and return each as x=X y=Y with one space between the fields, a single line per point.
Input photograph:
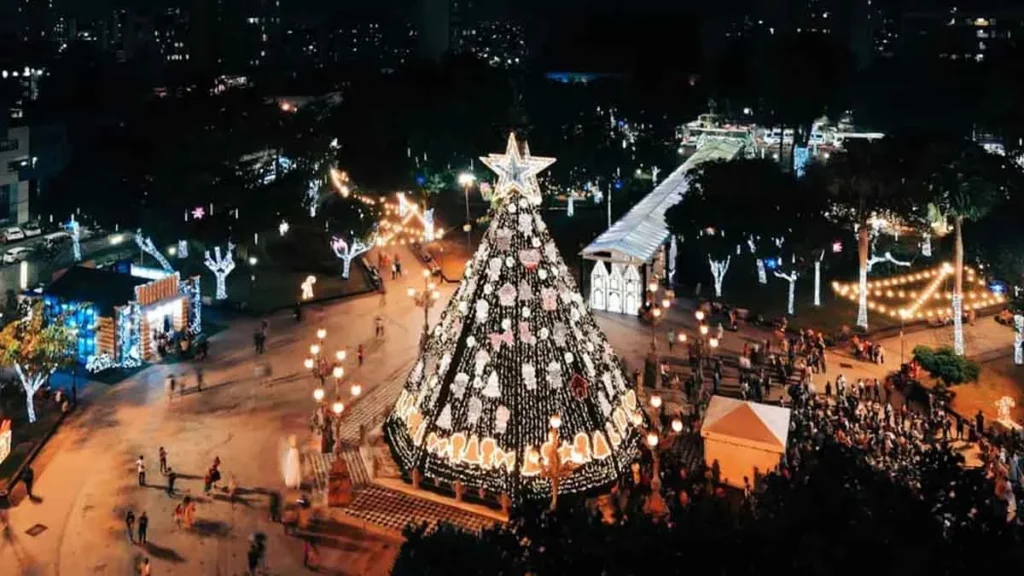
x=145 y=244
x=791 y=278
x=190 y=288
x=76 y=243
x=339 y=180
x=862 y=278
x=958 y=323
x=182 y=250
x=307 y=287
x=515 y=346
x=570 y=208
x=895 y=296
x=221 y=266
x=283 y=227
x=817 y=279
x=98 y=363
x=718 y=270
x=1018 y=339
x=673 y=257
x=313 y=196
x=348 y=252
x=926 y=245
x=403 y=222
x=198 y=212
x=516 y=172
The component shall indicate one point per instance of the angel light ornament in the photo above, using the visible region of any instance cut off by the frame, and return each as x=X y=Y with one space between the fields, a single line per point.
x=1003 y=407
x=307 y=287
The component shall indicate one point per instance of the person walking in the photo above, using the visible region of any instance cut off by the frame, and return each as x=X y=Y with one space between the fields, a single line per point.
x=143 y=527
x=29 y=477
x=199 y=379
x=169 y=384
x=144 y=568
x=163 y=460
x=171 y=477
x=140 y=465
x=360 y=355
x=129 y=525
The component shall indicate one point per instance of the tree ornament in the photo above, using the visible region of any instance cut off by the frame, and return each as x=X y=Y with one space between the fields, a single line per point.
x=524 y=333
x=530 y=258
x=481 y=359
x=549 y=299
x=501 y=416
x=535 y=242
x=579 y=386
x=551 y=251
x=529 y=376
x=554 y=375
x=542 y=274
x=544 y=333
x=474 y=410
x=491 y=389
x=498 y=339
x=503 y=239
x=525 y=224
x=444 y=421
x=509 y=262
x=459 y=385
x=481 y=311
x=559 y=333
x=525 y=292
x=525 y=312
x=507 y=295
x=606 y=407
x=494 y=269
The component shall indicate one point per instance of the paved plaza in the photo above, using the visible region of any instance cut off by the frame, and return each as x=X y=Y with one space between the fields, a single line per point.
x=86 y=478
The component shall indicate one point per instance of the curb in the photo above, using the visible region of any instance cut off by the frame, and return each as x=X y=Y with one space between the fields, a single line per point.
x=5 y=492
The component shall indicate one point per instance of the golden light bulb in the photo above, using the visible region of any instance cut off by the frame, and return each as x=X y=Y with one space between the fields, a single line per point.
x=356 y=390
x=652 y=439
x=321 y=334
x=338 y=407
x=677 y=425
x=318 y=394
x=656 y=401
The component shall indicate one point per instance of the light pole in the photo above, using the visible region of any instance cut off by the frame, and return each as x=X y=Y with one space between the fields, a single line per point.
x=466 y=180
x=321 y=367
x=655 y=505
x=656 y=310
x=554 y=468
x=425 y=299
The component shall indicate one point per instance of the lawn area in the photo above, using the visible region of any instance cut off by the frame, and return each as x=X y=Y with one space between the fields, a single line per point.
x=770 y=300
x=24 y=436
x=282 y=265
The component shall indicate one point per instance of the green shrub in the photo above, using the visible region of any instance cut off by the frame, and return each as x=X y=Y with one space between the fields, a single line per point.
x=945 y=365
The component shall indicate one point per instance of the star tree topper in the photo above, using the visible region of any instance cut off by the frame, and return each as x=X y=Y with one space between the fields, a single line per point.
x=516 y=171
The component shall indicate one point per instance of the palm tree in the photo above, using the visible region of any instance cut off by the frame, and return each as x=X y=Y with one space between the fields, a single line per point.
x=966 y=183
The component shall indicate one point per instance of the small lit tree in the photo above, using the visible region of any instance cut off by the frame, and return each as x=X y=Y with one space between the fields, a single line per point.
x=221 y=265
x=36 y=349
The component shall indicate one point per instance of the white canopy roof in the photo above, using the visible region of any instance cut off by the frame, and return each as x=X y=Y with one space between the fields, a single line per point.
x=747 y=423
x=637 y=235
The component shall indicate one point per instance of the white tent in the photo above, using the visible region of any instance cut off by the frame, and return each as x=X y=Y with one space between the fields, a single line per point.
x=743 y=436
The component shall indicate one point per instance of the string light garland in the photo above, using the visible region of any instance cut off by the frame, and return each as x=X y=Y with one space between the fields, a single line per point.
x=516 y=345
x=897 y=297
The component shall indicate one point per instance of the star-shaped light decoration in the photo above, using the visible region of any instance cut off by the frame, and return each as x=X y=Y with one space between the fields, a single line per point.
x=198 y=212
x=516 y=171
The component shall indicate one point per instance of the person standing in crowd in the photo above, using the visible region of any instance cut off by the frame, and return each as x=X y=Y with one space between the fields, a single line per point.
x=163 y=460
x=129 y=525
x=143 y=527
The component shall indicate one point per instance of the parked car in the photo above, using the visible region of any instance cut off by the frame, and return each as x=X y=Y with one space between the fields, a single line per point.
x=56 y=239
x=15 y=255
x=32 y=230
x=12 y=234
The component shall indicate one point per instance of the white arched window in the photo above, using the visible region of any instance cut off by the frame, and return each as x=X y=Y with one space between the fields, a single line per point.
x=599 y=287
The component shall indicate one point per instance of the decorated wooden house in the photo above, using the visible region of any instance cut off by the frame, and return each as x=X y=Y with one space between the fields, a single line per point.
x=120 y=314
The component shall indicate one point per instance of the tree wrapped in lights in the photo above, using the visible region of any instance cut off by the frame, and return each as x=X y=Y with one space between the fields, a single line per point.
x=75 y=229
x=145 y=244
x=515 y=346
x=37 y=347
x=347 y=252
x=221 y=265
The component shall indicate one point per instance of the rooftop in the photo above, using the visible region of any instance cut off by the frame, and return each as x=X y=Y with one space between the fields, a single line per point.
x=103 y=288
x=637 y=235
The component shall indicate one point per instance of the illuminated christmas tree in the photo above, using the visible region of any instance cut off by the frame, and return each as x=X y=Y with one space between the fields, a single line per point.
x=515 y=346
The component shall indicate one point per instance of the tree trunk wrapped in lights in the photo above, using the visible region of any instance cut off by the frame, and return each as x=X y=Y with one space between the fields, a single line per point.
x=221 y=265
x=958 y=286
x=791 y=278
x=145 y=244
x=718 y=270
x=515 y=346
x=1018 y=339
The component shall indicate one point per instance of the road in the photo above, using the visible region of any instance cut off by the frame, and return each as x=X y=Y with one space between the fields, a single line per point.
x=40 y=267
x=86 y=475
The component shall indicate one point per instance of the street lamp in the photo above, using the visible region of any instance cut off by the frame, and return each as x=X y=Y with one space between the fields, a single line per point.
x=466 y=180
x=554 y=468
x=655 y=505
x=656 y=310
x=425 y=299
